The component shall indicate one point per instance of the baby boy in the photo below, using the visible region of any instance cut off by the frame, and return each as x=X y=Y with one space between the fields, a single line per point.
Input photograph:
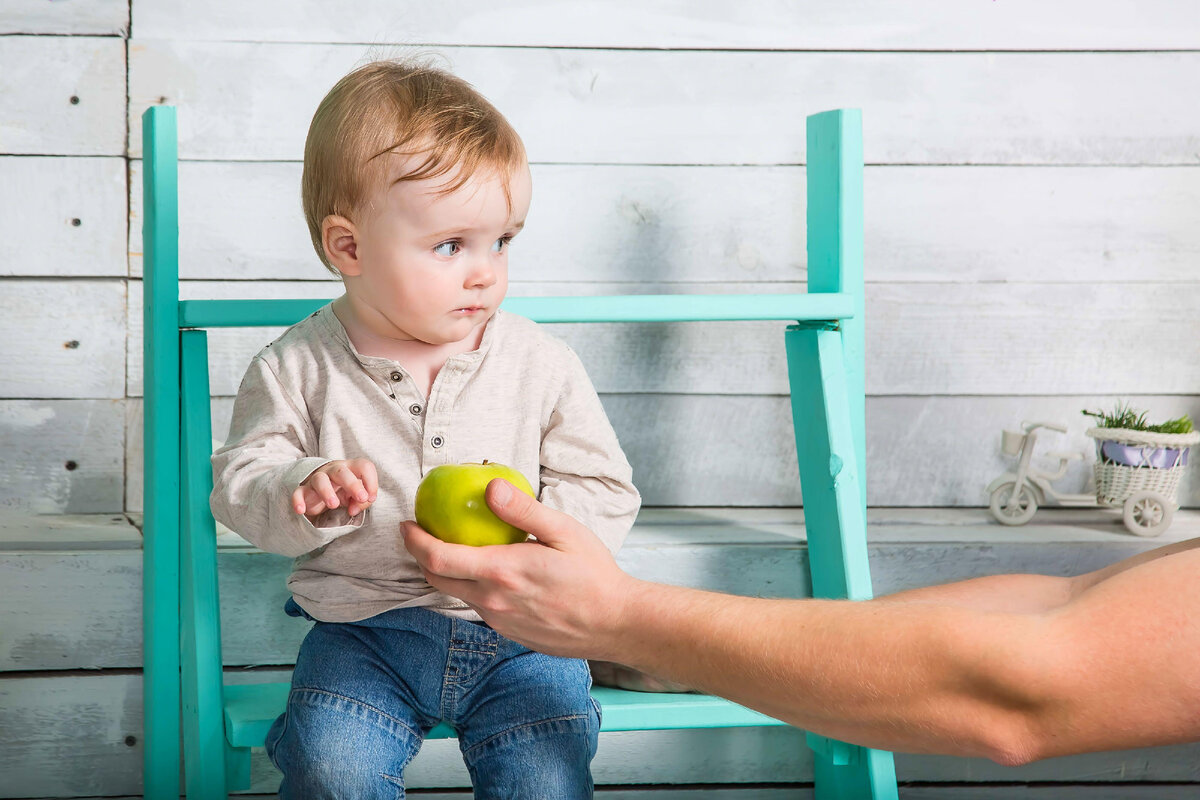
x=414 y=187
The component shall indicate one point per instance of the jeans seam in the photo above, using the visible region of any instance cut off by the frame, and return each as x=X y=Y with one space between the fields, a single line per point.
x=282 y=732
x=368 y=706
x=515 y=728
x=599 y=710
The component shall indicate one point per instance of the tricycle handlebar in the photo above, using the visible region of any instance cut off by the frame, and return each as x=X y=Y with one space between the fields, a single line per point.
x=1029 y=426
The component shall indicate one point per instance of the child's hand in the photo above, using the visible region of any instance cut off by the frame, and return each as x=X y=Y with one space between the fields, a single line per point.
x=353 y=483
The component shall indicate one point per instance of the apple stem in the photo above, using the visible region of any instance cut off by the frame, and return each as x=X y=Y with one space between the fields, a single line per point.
x=485 y=462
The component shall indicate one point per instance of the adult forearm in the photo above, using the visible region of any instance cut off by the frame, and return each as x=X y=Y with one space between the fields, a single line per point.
x=911 y=677
x=1018 y=594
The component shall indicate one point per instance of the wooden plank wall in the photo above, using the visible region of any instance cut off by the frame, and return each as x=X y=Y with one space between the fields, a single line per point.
x=70 y=654
x=1031 y=241
x=1032 y=247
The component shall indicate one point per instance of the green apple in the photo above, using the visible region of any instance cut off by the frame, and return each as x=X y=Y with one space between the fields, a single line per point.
x=451 y=506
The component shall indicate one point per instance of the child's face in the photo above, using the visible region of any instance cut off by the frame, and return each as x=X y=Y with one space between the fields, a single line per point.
x=434 y=267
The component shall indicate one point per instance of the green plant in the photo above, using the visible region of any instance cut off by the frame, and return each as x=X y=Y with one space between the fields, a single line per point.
x=1129 y=418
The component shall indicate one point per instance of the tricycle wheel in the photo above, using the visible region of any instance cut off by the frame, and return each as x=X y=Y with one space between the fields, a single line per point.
x=1148 y=513
x=1026 y=505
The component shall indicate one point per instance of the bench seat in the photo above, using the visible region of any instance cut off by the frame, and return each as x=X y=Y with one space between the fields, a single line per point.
x=251 y=708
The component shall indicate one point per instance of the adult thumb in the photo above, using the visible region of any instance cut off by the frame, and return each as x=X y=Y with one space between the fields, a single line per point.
x=522 y=511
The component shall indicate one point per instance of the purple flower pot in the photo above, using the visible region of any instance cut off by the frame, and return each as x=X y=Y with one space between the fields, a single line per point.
x=1143 y=456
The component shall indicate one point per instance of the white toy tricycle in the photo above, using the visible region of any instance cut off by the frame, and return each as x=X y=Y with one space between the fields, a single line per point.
x=1137 y=471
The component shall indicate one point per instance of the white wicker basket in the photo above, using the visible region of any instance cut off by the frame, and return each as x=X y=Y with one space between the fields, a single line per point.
x=1116 y=483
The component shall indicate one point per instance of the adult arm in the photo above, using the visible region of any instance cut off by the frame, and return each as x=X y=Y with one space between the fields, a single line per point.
x=1113 y=667
x=1024 y=592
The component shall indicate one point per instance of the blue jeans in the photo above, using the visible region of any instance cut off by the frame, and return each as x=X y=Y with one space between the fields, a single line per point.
x=364 y=695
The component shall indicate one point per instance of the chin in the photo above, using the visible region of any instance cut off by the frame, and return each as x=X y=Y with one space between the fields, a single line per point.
x=456 y=334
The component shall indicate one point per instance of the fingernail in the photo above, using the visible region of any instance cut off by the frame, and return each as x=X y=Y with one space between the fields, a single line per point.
x=503 y=493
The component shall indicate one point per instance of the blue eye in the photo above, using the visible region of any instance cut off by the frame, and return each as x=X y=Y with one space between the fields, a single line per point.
x=501 y=243
x=453 y=246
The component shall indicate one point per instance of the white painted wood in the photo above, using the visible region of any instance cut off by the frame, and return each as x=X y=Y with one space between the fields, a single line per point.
x=39 y=210
x=38 y=77
x=99 y=17
x=71 y=336
x=62 y=456
x=921 y=451
x=82 y=721
x=66 y=610
x=922 y=339
x=745 y=224
x=596 y=106
x=87 y=717
x=826 y=25
x=53 y=572
x=1031 y=339
x=22 y=531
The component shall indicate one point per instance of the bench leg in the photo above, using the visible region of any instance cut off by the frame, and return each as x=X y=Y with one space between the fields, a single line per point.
x=204 y=742
x=835 y=521
x=237 y=768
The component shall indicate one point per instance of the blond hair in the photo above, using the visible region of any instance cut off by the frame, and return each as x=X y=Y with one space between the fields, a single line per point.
x=405 y=108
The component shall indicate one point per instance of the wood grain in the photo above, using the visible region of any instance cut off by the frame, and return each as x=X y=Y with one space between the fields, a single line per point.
x=597 y=107
x=633 y=223
x=922 y=339
x=65 y=339
x=83 y=722
x=921 y=452
x=50 y=228
x=74 y=601
x=101 y=17
x=711 y=24
x=38 y=77
x=62 y=456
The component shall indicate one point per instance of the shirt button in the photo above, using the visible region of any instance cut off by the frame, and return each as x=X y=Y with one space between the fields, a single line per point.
x=396 y=376
x=414 y=408
x=437 y=441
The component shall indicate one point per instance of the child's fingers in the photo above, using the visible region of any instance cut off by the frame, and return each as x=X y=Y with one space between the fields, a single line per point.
x=298 y=500
x=323 y=486
x=345 y=479
x=370 y=478
x=307 y=502
x=313 y=501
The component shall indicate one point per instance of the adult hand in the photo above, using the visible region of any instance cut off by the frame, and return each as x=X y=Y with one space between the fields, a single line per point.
x=562 y=594
x=353 y=483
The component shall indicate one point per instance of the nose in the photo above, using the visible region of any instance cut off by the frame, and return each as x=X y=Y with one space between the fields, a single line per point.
x=482 y=273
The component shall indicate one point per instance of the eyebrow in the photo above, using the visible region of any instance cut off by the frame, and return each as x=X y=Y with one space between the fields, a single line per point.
x=455 y=231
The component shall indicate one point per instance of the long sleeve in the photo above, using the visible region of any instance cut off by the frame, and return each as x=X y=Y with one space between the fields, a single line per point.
x=584 y=472
x=269 y=452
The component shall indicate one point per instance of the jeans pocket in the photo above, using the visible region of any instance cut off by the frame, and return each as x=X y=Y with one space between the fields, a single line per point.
x=274 y=736
x=599 y=712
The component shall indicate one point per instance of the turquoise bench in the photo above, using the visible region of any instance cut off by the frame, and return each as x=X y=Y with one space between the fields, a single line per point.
x=183 y=667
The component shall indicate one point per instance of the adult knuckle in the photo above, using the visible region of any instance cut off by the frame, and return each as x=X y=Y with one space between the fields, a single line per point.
x=436 y=562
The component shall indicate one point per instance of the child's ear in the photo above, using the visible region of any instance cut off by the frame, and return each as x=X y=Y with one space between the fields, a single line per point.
x=340 y=239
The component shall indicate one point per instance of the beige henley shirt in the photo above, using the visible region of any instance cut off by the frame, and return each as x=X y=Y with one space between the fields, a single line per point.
x=308 y=398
